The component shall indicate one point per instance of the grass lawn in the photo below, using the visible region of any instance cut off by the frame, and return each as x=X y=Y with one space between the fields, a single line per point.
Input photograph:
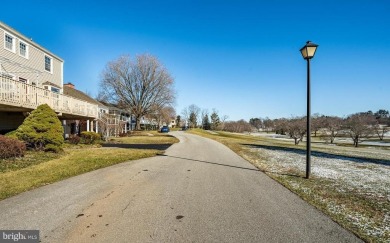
x=38 y=168
x=351 y=185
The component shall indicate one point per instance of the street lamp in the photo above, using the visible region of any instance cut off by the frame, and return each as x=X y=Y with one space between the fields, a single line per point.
x=308 y=52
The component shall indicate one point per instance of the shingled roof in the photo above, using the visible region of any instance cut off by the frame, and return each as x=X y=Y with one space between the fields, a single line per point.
x=79 y=95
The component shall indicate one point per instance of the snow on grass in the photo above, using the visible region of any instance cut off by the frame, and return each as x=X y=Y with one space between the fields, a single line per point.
x=348 y=176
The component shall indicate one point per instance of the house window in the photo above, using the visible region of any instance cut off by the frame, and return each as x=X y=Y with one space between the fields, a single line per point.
x=22 y=80
x=48 y=63
x=9 y=42
x=23 y=49
x=55 y=90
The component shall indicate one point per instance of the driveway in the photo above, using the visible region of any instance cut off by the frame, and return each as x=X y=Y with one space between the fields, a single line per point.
x=198 y=191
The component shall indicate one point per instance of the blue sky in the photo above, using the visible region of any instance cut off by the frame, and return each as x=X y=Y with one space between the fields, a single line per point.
x=240 y=57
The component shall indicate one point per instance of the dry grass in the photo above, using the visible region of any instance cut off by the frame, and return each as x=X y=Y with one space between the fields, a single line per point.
x=354 y=190
x=146 y=138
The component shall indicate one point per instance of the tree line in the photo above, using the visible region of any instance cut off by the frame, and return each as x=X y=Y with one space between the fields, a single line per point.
x=359 y=126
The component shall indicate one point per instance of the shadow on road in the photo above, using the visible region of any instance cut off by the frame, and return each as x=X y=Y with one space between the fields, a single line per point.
x=137 y=146
x=208 y=162
x=322 y=154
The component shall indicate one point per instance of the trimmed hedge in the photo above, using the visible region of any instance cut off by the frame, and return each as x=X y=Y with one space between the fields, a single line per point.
x=11 y=147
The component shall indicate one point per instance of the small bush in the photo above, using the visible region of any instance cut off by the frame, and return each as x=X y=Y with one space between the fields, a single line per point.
x=11 y=147
x=74 y=139
x=123 y=134
x=90 y=137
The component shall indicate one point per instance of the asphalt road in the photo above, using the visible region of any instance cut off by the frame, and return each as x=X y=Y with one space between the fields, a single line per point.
x=199 y=191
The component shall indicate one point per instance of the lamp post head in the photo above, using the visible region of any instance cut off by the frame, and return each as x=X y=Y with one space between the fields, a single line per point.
x=308 y=50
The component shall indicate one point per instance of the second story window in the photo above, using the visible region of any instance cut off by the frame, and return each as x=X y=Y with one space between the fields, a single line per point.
x=48 y=64
x=23 y=49
x=9 y=42
x=55 y=90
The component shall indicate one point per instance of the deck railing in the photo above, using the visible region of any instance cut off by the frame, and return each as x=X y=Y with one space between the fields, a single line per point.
x=20 y=94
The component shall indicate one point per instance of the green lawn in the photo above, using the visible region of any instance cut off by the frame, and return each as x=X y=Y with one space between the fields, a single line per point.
x=38 y=168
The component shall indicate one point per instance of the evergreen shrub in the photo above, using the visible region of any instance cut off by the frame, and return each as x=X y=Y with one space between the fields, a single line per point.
x=42 y=130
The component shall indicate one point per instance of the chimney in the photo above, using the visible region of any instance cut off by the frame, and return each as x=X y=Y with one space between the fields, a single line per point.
x=70 y=85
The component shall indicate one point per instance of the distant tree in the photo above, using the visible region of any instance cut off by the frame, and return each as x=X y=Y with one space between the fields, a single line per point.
x=206 y=122
x=143 y=85
x=167 y=113
x=42 y=130
x=360 y=126
x=256 y=123
x=280 y=126
x=268 y=124
x=194 y=117
x=317 y=123
x=333 y=125
x=193 y=120
x=381 y=130
x=186 y=114
x=215 y=122
x=203 y=113
x=238 y=126
x=297 y=129
x=178 y=120
x=223 y=121
x=382 y=114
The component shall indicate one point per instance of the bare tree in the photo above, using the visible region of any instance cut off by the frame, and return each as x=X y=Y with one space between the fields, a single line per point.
x=333 y=124
x=382 y=125
x=297 y=129
x=238 y=126
x=142 y=86
x=360 y=126
x=317 y=123
x=281 y=126
x=223 y=121
x=381 y=130
x=186 y=115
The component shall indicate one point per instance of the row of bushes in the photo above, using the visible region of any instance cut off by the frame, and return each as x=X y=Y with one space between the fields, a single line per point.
x=86 y=138
x=42 y=131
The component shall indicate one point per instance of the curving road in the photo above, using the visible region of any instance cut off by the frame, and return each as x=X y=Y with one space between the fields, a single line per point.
x=199 y=191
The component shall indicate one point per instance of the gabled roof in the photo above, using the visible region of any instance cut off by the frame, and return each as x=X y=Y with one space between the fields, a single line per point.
x=51 y=84
x=28 y=40
x=80 y=95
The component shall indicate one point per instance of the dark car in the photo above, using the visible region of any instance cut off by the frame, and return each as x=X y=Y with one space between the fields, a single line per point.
x=164 y=129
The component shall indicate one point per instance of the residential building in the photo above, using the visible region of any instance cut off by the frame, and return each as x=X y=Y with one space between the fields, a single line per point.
x=31 y=75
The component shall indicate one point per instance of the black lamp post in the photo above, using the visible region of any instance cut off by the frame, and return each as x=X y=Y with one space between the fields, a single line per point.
x=308 y=52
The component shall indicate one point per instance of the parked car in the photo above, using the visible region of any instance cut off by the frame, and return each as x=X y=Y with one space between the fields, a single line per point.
x=164 y=129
